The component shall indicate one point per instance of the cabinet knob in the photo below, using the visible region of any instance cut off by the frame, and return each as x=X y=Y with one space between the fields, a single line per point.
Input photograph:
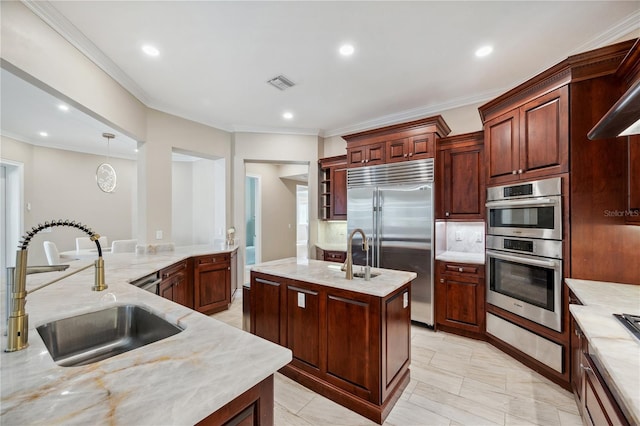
x=366 y=161
x=459 y=269
x=441 y=280
x=447 y=214
x=405 y=156
x=362 y=161
x=514 y=172
x=520 y=171
x=585 y=368
x=411 y=154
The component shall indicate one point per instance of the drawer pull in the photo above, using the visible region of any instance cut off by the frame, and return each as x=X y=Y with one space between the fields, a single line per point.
x=585 y=368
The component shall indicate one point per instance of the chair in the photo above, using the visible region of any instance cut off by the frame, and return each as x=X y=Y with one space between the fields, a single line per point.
x=123 y=246
x=84 y=243
x=51 y=250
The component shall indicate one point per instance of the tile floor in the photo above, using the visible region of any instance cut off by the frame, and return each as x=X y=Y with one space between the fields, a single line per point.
x=454 y=381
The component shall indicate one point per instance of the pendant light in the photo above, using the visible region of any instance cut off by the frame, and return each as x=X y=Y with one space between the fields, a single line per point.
x=106 y=174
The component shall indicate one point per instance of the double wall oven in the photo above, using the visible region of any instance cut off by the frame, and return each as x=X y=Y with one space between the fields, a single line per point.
x=524 y=250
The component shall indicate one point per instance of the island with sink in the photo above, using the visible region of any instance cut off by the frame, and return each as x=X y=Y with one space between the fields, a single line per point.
x=350 y=338
x=191 y=369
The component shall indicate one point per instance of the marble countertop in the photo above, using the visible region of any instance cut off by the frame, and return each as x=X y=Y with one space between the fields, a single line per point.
x=329 y=274
x=617 y=350
x=462 y=257
x=178 y=380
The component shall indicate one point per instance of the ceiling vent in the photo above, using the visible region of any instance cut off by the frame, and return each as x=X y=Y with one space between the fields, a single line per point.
x=281 y=82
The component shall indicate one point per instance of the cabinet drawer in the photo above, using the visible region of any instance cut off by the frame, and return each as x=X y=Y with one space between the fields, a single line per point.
x=173 y=270
x=215 y=258
x=335 y=256
x=461 y=269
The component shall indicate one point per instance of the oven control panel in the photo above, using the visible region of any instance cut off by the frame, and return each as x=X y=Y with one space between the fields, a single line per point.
x=531 y=246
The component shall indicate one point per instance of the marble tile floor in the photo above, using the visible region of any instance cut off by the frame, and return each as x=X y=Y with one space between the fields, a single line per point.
x=454 y=381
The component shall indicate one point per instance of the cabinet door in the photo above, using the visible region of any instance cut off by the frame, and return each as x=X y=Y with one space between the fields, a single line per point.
x=397 y=150
x=397 y=330
x=267 y=308
x=211 y=282
x=576 y=358
x=544 y=135
x=463 y=186
x=633 y=216
x=599 y=406
x=165 y=289
x=460 y=297
x=502 y=147
x=180 y=289
x=375 y=154
x=356 y=156
x=339 y=193
x=421 y=146
x=303 y=325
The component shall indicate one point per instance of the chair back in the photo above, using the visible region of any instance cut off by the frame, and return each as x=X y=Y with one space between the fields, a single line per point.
x=123 y=246
x=51 y=251
x=84 y=243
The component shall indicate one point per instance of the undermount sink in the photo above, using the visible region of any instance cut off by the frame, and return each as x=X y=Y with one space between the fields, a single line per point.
x=361 y=274
x=95 y=336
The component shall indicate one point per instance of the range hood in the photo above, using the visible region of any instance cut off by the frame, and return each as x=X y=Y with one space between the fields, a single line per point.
x=622 y=119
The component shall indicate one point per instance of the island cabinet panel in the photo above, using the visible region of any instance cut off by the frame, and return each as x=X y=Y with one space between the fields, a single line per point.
x=212 y=282
x=350 y=347
x=267 y=307
x=349 y=344
x=176 y=284
x=303 y=326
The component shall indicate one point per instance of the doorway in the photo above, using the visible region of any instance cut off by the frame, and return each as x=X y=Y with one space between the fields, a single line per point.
x=252 y=221
x=302 y=222
x=10 y=214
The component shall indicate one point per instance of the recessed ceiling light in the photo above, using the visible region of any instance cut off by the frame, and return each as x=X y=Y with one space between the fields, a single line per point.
x=484 y=51
x=44 y=134
x=150 y=50
x=287 y=115
x=347 y=50
x=63 y=107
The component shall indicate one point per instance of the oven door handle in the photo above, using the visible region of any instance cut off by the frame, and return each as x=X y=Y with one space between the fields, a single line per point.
x=525 y=260
x=516 y=203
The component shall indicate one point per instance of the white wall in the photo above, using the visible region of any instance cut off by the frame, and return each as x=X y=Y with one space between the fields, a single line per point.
x=61 y=184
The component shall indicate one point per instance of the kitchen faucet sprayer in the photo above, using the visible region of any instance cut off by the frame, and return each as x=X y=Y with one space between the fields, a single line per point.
x=348 y=263
x=18 y=322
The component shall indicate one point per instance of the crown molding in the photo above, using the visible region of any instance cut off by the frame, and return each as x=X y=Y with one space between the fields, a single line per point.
x=46 y=11
x=612 y=35
x=276 y=130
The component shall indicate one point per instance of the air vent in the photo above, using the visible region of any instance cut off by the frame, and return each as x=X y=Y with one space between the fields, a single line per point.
x=281 y=82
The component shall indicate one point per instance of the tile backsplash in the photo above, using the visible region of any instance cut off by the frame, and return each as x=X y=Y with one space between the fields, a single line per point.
x=467 y=237
x=332 y=232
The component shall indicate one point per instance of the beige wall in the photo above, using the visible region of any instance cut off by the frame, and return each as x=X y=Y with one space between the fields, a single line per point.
x=61 y=184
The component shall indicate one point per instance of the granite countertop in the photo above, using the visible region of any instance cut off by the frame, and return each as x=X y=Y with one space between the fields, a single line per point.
x=330 y=275
x=461 y=257
x=178 y=380
x=616 y=349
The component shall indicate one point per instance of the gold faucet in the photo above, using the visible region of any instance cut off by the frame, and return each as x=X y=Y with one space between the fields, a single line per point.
x=348 y=263
x=18 y=321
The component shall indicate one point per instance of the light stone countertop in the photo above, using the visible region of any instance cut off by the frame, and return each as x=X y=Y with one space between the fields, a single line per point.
x=617 y=350
x=330 y=275
x=461 y=257
x=178 y=380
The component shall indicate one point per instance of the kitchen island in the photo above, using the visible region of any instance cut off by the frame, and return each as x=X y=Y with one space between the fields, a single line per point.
x=205 y=373
x=350 y=339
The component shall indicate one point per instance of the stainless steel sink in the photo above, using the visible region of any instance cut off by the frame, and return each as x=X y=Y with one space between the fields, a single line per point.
x=95 y=336
x=361 y=274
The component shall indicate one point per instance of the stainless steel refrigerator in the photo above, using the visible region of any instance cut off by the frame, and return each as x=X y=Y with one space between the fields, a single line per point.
x=393 y=205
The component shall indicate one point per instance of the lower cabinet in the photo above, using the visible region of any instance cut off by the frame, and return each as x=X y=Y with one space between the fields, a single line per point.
x=460 y=298
x=212 y=283
x=350 y=347
x=331 y=255
x=595 y=401
x=175 y=284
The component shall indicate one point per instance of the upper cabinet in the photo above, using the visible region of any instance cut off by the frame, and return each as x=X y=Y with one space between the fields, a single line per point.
x=460 y=189
x=633 y=167
x=333 y=187
x=529 y=141
x=401 y=142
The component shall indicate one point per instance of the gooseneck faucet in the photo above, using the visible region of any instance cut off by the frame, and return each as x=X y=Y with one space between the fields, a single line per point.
x=18 y=321
x=348 y=263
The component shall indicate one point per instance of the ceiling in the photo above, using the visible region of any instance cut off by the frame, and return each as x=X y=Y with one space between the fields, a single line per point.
x=411 y=59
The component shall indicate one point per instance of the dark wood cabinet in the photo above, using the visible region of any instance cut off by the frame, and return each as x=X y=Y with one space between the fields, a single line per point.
x=176 y=284
x=530 y=141
x=633 y=179
x=333 y=188
x=460 y=188
x=414 y=140
x=460 y=298
x=351 y=347
x=595 y=400
x=331 y=255
x=212 y=283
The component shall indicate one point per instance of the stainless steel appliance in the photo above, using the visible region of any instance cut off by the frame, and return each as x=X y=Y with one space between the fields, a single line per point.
x=524 y=276
x=393 y=204
x=531 y=209
x=148 y=282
